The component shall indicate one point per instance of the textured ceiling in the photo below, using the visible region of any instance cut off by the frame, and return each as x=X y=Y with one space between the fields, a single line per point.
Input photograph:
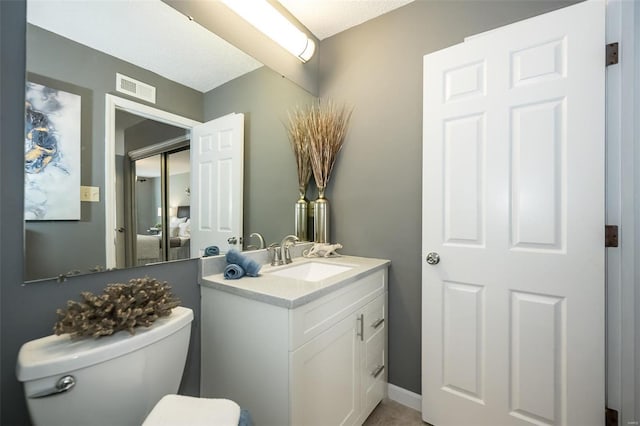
x=325 y=18
x=152 y=35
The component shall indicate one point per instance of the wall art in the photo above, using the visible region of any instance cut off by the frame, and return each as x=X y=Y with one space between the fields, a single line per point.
x=52 y=154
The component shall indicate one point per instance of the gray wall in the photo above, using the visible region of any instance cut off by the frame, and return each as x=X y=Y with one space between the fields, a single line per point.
x=636 y=221
x=12 y=71
x=271 y=183
x=149 y=132
x=76 y=68
x=376 y=191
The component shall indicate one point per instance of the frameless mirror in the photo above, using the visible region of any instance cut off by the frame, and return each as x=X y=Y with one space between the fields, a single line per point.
x=76 y=245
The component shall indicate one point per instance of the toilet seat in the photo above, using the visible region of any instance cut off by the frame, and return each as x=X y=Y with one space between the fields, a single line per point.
x=180 y=410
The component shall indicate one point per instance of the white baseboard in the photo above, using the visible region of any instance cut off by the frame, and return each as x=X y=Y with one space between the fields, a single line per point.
x=404 y=397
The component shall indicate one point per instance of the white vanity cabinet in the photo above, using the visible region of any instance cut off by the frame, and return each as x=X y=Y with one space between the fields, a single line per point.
x=319 y=363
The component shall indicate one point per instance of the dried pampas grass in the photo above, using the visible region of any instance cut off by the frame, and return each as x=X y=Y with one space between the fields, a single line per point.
x=317 y=132
x=299 y=138
x=327 y=127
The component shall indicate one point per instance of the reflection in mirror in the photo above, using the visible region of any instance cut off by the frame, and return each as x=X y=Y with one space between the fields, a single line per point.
x=72 y=65
x=160 y=179
x=148 y=211
x=157 y=160
x=178 y=204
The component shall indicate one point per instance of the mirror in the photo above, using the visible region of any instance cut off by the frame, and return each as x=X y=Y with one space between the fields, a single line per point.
x=55 y=247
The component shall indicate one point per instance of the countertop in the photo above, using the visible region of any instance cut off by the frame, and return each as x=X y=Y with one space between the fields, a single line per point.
x=290 y=292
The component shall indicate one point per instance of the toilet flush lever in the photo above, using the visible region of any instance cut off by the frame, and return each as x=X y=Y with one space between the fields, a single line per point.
x=63 y=384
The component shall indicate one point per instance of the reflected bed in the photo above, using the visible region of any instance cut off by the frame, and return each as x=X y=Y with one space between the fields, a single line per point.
x=149 y=247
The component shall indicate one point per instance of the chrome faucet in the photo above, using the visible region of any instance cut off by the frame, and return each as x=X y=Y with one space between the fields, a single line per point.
x=288 y=241
x=260 y=238
x=274 y=252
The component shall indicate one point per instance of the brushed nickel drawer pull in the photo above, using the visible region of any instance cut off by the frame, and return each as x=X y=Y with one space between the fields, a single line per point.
x=377 y=371
x=361 y=332
x=378 y=323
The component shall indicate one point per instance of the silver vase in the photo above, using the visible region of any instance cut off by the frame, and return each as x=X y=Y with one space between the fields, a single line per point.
x=301 y=215
x=321 y=219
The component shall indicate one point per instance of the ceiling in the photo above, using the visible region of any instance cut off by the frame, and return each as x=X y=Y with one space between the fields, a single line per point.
x=154 y=36
x=325 y=18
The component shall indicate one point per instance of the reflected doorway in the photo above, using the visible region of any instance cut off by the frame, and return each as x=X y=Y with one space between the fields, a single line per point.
x=161 y=201
x=153 y=188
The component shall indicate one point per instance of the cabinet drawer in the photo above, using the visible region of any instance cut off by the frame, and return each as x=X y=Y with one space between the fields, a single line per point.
x=375 y=341
x=374 y=317
x=374 y=374
x=310 y=320
x=375 y=359
x=374 y=369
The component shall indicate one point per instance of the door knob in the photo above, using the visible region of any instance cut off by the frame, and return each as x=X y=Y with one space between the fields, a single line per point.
x=121 y=229
x=433 y=258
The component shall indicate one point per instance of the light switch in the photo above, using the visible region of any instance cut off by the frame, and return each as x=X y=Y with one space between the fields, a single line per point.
x=90 y=193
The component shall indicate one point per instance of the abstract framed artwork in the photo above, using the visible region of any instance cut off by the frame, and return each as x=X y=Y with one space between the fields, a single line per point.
x=52 y=154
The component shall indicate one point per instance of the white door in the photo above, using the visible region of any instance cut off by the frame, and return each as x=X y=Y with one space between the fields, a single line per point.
x=217 y=183
x=513 y=203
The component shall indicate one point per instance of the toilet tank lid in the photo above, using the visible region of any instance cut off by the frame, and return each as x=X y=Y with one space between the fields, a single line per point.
x=53 y=355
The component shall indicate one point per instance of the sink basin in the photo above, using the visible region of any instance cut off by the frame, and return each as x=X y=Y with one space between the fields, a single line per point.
x=311 y=271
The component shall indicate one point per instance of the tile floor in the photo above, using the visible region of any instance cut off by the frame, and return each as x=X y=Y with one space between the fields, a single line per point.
x=391 y=413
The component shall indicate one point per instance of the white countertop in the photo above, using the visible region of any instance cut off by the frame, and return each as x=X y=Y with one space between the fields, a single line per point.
x=290 y=292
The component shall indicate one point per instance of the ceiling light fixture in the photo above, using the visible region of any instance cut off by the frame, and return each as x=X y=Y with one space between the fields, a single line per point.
x=268 y=20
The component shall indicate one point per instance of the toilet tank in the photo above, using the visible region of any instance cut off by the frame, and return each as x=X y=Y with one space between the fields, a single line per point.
x=118 y=379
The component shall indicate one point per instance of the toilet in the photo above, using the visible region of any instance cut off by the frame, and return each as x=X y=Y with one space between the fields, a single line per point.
x=115 y=380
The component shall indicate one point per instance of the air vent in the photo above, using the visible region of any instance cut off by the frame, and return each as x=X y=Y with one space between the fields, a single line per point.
x=135 y=88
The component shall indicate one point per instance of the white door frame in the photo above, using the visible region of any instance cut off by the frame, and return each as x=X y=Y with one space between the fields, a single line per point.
x=112 y=103
x=622 y=203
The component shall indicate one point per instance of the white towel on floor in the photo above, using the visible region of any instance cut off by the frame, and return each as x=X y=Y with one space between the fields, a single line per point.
x=180 y=410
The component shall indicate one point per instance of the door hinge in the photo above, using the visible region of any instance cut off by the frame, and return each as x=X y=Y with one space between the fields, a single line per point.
x=610 y=417
x=612 y=54
x=611 y=235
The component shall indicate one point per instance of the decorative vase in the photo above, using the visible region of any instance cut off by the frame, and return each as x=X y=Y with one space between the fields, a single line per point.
x=301 y=217
x=321 y=218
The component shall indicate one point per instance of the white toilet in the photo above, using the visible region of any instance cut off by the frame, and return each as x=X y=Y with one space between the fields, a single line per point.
x=115 y=380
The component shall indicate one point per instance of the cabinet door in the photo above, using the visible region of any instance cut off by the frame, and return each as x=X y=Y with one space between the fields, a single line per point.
x=374 y=374
x=325 y=377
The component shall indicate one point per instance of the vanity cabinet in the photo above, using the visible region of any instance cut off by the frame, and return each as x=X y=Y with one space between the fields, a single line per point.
x=320 y=363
